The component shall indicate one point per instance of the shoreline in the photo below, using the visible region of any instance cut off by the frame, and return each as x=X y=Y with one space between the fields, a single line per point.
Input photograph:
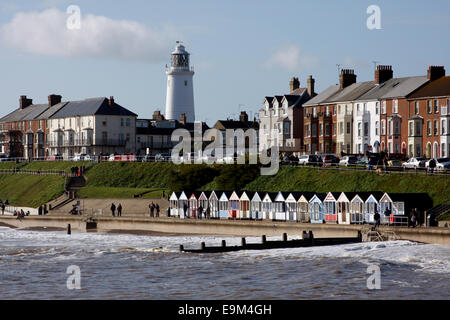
x=221 y=228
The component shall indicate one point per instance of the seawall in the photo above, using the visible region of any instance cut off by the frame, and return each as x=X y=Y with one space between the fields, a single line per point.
x=439 y=236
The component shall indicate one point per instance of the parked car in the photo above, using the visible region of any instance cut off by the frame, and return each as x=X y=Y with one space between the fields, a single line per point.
x=162 y=157
x=440 y=162
x=4 y=157
x=348 y=160
x=148 y=158
x=363 y=161
x=308 y=159
x=82 y=157
x=414 y=163
x=330 y=159
x=56 y=157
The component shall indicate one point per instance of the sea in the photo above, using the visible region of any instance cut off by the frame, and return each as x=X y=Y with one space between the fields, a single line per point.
x=52 y=265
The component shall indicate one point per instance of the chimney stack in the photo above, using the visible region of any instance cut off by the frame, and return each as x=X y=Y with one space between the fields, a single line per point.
x=54 y=99
x=183 y=118
x=111 y=101
x=347 y=78
x=294 y=84
x=383 y=74
x=435 y=72
x=25 y=102
x=157 y=116
x=311 y=83
x=243 y=117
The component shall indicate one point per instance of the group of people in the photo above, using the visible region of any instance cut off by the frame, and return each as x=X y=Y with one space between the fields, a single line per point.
x=77 y=171
x=154 y=207
x=3 y=205
x=199 y=214
x=21 y=214
x=415 y=219
x=119 y=210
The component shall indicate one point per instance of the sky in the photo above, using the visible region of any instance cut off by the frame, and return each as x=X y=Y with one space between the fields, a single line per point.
x=241 y=51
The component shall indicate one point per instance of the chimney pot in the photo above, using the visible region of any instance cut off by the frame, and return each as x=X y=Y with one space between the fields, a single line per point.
x=54 y=99
x=435 y=72
x=311 y=84
x=243 y=117
x=383 y=74
x=347 y=78
x=111 y=101
x=25 y=102
x=294 y=84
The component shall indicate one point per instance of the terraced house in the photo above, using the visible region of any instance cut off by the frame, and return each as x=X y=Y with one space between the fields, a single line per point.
x=282 y=117
x=91 y=126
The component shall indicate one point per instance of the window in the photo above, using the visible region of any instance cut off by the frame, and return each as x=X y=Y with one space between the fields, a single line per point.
x=377 y=128
x=334 y=110
x=104 y=123
x=436 y=127
x=185 y=83
x=327 y=129
x=348 y=128
x=429 y=128
x=436 y=106
x=443 y=127
x=377 y=107
x=314 y=130
x=334 y=130
x=327 y=111
x=383 y=108
x=314 y=112
x=128 y=122
x=397 y=128
x=308 y=131
x=121 y=122
x=321 y=129
x=429 y=106
x=416 y=107
x=418 y=129
x=395 y=107
x=341 y=128
x=287 y=129
x=411 y=129
x=359 y=129
x=383 y=127
x=366 y=129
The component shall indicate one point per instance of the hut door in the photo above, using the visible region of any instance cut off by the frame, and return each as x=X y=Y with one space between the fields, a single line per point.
x=344 y=212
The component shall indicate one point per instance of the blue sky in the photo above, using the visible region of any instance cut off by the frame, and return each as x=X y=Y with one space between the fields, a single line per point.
x=242 y=51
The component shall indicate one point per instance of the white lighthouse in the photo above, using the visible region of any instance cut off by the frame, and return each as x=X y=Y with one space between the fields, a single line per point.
x=180 y=87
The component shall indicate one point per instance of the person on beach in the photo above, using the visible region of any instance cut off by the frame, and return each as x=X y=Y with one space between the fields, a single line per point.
x=119 y=210
x=113 y=209
x=377 y=219
x=431 y=166
x=200 y=212
x=157 y=210
x=3 y=209
x=208 y=213
x=152 y=209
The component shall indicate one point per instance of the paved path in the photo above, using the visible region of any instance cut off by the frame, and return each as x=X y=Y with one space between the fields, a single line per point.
x=130 y=207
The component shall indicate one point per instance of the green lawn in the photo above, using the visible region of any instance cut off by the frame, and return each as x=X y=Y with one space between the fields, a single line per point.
x=55 y=165
x=30 y=191
x=122 y=193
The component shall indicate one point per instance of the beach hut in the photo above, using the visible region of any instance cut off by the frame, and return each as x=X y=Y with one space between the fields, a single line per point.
x=233 y=208
x=256 y=207
x=268 y=204
x=330 y=207
x=214 y=205
x=280 y=207
x=291 y=206
x=402 y=204
x=173 y=203
x=316 y=208
x=244 y=205
x=203 y=201
x=357 y=208
x=183 y=205
x=224 y=205
x=303 y=206
x=343 y=207
x=372 y=206
x=193 y=205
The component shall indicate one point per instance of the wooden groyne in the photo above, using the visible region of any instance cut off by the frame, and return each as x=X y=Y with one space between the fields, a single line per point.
x=307 y=240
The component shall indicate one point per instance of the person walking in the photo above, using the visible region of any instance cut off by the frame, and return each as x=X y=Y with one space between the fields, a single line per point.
x=157 y=210
x=200 y=212
x=113 y=209
x=377 y=219
x=431 y=166
x=119 y=210
x=3 y=209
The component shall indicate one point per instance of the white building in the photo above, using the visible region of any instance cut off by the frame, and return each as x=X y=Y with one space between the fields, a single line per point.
x=92 y=126
x=180 y=87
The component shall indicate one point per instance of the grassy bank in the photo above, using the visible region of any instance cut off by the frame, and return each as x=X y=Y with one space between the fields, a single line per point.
x=120 y=193
x=30 y=191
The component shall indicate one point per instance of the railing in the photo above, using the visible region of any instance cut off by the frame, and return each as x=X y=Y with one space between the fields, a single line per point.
x=36 y=172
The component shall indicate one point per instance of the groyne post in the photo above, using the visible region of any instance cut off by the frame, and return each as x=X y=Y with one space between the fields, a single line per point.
x=285 y=237
x=311 y=237
x=203 y=245
x=224 y=243
x=243 y=242
x=264 y=239
x=69 y=231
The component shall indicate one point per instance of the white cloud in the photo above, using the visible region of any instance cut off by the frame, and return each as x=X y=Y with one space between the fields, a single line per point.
x=291 y=58
x=46 y=33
